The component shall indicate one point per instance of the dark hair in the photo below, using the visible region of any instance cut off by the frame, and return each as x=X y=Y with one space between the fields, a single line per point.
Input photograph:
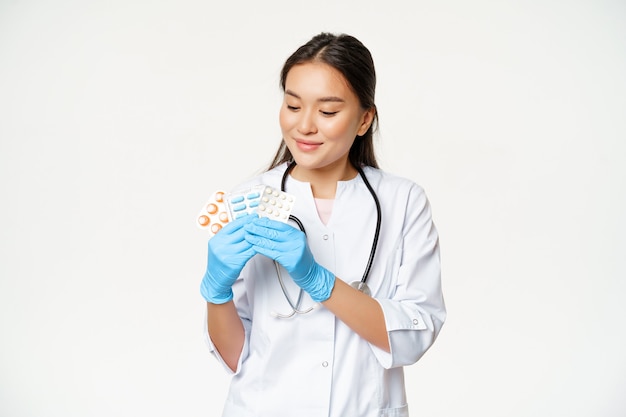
x=353 y=60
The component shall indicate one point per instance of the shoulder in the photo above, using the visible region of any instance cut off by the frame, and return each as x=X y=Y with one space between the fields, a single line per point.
x=401 y=197
x=392 y=184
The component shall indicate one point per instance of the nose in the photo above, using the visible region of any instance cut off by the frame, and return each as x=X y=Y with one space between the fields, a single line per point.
x=306 y=123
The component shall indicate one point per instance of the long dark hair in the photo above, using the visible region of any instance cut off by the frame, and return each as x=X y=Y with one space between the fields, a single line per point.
x=353 y=60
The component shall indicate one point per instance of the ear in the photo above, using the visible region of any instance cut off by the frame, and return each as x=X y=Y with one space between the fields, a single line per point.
x=366 y=121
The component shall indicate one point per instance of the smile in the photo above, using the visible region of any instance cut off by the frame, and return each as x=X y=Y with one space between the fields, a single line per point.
x=307 y=145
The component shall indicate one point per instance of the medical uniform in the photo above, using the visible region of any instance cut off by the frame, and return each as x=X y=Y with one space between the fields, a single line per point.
x=313 y=364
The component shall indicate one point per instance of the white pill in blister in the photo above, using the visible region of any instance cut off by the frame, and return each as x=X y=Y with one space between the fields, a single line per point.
x=275 y=204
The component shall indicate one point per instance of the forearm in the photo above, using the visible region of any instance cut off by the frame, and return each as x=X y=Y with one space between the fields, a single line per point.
x=360 y=312
x=226 y=331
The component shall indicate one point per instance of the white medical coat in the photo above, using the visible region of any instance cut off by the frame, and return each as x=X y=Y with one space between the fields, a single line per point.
x=313 y=364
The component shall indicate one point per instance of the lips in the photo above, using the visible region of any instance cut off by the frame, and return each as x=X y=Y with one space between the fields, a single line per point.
x=307 y=145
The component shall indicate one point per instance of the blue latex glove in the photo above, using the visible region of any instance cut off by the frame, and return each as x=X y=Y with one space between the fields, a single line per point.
x=288 y=246
x=228 y=254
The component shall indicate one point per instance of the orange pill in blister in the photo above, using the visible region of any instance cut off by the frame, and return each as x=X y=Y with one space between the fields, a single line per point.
x=211 y=208
x=214 y=214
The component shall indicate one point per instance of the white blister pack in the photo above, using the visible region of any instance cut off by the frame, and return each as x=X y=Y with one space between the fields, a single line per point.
x=275 y=204
x=244 y=202
x=262 y=200
x=214 y=214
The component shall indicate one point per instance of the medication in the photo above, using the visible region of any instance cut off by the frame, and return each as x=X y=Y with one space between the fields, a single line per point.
x=261 y=200
x=214 y=214
x=244 y=202
x=275 y=204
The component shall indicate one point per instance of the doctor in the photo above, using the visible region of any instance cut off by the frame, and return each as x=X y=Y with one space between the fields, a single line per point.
x=346 y=356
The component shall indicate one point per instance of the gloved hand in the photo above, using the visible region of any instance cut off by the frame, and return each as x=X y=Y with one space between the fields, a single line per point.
x=288 y=246
x=228 y=254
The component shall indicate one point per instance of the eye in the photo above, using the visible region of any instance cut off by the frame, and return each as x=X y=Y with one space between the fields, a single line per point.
x=328 y=113
x=292 y=108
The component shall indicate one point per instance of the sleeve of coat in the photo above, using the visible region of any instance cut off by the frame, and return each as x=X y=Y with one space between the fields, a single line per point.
x=416 y=312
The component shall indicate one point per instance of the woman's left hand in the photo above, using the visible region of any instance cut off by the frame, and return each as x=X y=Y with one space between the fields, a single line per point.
x=288 y=246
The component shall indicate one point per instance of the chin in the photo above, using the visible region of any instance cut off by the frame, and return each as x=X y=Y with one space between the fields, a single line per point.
x=305 y=161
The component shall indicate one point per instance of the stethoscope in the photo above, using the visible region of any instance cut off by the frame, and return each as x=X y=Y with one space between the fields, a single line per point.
x=359 y=285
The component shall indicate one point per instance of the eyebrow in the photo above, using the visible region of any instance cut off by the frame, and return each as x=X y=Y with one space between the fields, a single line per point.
x=332 y=99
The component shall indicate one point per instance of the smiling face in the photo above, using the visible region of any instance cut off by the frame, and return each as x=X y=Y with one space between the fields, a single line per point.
x=320 y=118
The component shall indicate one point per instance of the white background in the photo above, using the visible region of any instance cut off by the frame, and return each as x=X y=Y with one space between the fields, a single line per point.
x=119 y=118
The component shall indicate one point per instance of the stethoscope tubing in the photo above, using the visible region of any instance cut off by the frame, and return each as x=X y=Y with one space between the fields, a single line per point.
x=361 y=286
x=379 y=219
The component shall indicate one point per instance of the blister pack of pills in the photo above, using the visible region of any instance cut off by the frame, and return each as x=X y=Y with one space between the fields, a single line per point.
x=244 y=202
x=275 y=204
x=262 y=200
x=214 y=214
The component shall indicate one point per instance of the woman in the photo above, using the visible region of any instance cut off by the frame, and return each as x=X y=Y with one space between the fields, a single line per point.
x=345 y=356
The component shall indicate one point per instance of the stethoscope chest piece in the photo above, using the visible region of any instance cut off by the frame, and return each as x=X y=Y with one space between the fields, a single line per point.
x=361 y=286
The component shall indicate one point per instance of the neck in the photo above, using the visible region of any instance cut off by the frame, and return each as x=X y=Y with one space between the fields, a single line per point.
x=324 y=180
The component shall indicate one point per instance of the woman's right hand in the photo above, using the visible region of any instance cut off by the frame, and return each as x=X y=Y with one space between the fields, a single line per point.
x=288 y=246
x=228 y=254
